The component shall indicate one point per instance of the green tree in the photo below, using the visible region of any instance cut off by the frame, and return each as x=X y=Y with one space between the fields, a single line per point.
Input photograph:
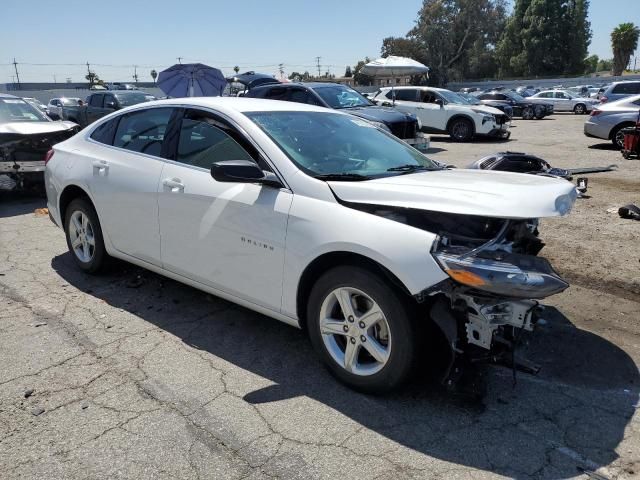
x=545 y=37
x=450 y=36
x=361 y=78
x=236 y=69
x=154 y=75
x=295 y=77
x=624 y=41
x=604 y=65
x=347 y=72
x=591 y=64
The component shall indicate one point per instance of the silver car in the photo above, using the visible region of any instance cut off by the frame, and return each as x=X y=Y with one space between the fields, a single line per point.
x=619 y=90
x=608 y=119
x=566 y=101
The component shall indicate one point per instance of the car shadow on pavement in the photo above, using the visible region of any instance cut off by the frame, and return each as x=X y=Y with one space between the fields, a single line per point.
x=13 y=203
x=572 y=416
x=604 y=146
x=447 y=139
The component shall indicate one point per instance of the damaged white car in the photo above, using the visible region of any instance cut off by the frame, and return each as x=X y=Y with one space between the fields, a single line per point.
x=316 y=218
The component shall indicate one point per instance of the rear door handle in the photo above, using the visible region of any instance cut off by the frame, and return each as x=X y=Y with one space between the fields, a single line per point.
x=101 y=165
x=173 y=184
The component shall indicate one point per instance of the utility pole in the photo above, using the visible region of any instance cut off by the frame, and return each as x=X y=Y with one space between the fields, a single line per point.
x=15 y=65
x=318 y=65
x=179 y=59
x=135 y=73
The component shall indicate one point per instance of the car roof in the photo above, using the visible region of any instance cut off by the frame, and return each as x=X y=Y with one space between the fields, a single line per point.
x=420 y=87
x=124 y=92
x=238 y=104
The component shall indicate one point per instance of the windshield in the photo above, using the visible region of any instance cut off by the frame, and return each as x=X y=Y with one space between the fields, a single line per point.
x=324 y=143
x=339 y=96
x=470 y=99
x=452 y=97
x=17 y=110
x=134 y=98
x=69 y=101
x=515 y=96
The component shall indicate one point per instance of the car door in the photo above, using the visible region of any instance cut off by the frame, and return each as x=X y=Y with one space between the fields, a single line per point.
x=562 y=102
x=301 y=95
x=408 y=100
x=436 y=114
x=124 y=180
x=229 y=236
x=94 y=109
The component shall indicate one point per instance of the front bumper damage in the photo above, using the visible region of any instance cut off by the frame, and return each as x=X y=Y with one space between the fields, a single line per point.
x=491 y=298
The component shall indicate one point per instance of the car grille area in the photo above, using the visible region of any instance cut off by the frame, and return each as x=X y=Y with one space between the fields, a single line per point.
x=406 y=129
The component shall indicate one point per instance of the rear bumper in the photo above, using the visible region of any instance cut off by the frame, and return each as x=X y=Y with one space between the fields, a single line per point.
x=596 y=130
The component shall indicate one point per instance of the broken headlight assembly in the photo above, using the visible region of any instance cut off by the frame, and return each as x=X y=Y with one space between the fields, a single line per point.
x=494 y=268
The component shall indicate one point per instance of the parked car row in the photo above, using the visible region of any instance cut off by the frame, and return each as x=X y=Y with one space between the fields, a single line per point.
x=607 y=120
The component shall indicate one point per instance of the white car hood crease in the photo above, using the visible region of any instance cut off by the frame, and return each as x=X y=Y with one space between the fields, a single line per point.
x=467 y=192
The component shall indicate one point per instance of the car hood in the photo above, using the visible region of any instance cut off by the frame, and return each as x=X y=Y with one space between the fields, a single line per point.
x=484 y=109
x=378 y=114
x=469 y=192
x=34 y=128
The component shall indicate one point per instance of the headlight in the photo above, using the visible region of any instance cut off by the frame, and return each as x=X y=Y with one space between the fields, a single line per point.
x=380 y=125
x=505 y=274
x=564 y=203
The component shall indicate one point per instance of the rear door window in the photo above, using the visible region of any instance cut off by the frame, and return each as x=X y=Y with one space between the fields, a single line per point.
x=143 y=131
x=300 y=95
x=106 y=131
x=277 y=93
x=407 y=95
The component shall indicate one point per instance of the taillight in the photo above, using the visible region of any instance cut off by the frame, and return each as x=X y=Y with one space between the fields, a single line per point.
x=603 y=99
x=48 y=156
x=595 y=112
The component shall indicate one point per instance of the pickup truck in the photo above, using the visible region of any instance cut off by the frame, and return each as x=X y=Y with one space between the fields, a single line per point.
x=98 y=105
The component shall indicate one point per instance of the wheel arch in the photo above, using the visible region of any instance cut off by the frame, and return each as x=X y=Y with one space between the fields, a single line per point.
x=327 y=261
x=69 y=193
x=618 y=126
x=459 y=116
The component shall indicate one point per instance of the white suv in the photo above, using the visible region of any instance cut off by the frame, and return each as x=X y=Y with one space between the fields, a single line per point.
x=443 y=111
x=316 y=218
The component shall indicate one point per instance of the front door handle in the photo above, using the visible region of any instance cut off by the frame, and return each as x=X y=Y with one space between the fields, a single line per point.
x=173 y=184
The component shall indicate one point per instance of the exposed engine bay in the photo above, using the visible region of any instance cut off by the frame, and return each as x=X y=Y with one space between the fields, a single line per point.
x=496 y=280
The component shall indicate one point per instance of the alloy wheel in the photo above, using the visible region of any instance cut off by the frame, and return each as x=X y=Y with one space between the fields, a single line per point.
x=579 y=109
x=460 y=130
x=355 y=331
x=82 y=236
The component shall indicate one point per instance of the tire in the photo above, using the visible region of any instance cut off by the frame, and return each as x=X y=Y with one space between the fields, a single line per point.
x=617 y=137
x=390 y=335
x=527 y=113
x=539 y=112
x=461 y=130
x=580 y=109
x=81 y=225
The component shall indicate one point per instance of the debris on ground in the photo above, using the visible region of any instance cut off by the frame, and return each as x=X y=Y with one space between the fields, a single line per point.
x=136 y=282
x=630 y=211
x=35 y=411
x=28 y=392
x=41 y=212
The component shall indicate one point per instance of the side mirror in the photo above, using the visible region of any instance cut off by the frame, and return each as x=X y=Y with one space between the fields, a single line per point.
x=243 y=171
x=440 y=102
x=111 y=105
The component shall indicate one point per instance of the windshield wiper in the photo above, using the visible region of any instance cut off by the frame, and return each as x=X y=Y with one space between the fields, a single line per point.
x=411 y=168
x=341 y=176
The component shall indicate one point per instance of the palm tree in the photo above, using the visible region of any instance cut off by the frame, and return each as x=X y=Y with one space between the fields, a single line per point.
x=624 y=41
x=236 y=69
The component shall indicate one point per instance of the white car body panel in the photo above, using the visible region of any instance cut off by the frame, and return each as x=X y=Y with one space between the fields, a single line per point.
x=194 y=233
x=469 y=192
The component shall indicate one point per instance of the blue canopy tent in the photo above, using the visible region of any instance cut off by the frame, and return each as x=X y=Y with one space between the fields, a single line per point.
x=191 y=80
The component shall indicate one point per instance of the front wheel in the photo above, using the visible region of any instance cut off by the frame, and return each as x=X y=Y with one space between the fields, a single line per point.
x=361 y=328
x=539 y=112
x=580 y=109
x=461 y=130
x=84 y=236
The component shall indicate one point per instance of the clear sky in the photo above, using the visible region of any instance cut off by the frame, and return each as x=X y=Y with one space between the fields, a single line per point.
x=253 y=34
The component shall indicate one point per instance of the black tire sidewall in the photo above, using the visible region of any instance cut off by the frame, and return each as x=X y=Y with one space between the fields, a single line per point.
x=470 y=128
x=578 y=107
x=397 y=313
x=99 y=256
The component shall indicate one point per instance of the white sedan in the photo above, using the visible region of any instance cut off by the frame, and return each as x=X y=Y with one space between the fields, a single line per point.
x=565 y=101
x=316 y=218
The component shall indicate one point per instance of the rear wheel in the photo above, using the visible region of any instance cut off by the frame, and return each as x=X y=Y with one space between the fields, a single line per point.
x=580 y=109
x=527 y=113
x=539 y=112
x=617 y=137
x=84 y=236
x=461 y=130
x=361 y=328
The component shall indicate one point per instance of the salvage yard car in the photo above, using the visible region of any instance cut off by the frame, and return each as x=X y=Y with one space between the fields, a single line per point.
x=608 y=120
x=527 y=108
x=341 y=97
x=316 y=218
x=443 y=111
x=565 y=101
x=100 y=104
x=26 y=135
